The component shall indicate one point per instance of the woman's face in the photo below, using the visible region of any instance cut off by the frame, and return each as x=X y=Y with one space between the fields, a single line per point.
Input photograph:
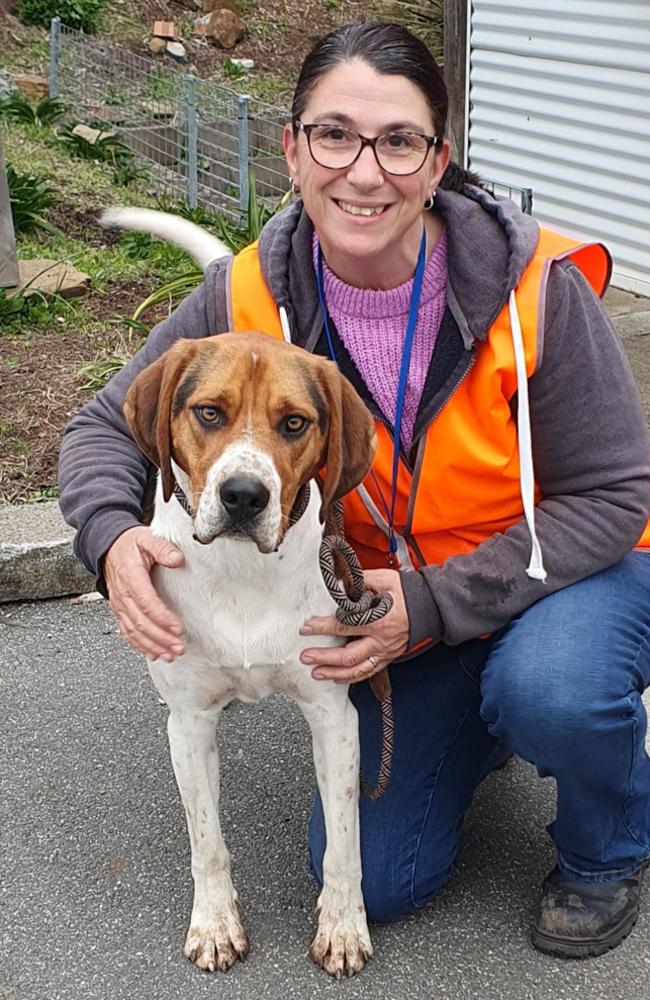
x=354 y=95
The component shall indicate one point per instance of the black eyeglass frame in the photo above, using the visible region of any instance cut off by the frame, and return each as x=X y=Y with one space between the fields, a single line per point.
x=431 y=140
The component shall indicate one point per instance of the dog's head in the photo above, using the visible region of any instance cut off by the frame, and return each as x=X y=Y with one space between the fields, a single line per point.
x=249 y=420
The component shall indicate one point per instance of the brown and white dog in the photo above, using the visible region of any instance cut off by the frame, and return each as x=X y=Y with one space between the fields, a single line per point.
x=241 y=423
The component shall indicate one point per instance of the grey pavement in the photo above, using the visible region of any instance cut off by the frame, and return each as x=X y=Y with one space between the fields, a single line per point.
x=96 y=887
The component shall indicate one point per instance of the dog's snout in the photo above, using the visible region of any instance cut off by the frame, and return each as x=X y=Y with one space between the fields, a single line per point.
x=243 y=498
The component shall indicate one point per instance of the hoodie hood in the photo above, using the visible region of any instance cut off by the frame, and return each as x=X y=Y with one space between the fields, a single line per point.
x=489 y=244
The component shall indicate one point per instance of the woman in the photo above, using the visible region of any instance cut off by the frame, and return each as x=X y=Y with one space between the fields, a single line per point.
x=409 y=288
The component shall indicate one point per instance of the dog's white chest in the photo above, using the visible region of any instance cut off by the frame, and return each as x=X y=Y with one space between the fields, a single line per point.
x=243 y=609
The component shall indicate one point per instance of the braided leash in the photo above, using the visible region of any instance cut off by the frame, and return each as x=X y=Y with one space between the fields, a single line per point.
x=362 y=607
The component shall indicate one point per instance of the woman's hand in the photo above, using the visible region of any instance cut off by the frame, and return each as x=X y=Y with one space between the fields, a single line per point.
x=375 y=645
x=144 y=621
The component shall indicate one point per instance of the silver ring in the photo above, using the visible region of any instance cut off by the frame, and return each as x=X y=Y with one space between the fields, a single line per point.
x=372 y=660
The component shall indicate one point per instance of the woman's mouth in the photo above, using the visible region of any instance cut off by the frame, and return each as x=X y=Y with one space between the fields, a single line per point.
x=367 y=211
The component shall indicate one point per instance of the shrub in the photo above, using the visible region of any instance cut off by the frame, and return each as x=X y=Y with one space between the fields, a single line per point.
x=106 y=148
x=18 y=107
x=29 y=197
x=80 y=14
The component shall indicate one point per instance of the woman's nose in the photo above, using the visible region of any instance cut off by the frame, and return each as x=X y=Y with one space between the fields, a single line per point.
x=365 y=172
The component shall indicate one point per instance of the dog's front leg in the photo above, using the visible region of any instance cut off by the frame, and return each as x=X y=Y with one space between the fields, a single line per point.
x=216 y=938
x=342 y=942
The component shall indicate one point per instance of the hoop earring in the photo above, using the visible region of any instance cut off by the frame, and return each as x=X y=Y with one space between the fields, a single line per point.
x=429 y=203
x=295 y=190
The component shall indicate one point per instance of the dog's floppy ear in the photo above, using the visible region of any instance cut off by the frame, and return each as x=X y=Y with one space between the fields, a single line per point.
x=148 y=406
x=351 y=441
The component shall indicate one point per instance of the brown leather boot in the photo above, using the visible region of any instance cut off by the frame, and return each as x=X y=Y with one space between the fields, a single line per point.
x=583 y=919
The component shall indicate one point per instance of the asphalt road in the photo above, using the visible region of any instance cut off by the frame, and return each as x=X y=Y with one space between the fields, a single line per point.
x=96 y=886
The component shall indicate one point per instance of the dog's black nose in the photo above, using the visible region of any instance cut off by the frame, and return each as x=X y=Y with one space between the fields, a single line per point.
x=243 y=498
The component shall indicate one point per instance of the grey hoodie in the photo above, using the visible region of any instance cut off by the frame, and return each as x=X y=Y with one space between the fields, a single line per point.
x=590 y=444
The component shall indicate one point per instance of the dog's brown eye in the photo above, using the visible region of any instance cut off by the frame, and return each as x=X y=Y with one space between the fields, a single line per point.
x=294 y=424
x=210 y=415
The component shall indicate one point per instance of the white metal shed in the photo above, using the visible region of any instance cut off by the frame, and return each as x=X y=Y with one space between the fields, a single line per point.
x=559 y=101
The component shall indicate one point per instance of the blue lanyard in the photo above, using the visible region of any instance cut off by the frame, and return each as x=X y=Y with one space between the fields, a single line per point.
x=403 y=374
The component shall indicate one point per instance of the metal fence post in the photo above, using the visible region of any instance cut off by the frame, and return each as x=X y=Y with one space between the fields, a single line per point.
x=192 y=141
x=55 y=33
x=9 y=276
x=242 y=132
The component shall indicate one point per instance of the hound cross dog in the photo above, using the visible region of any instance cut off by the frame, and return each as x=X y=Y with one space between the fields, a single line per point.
x=242 y=423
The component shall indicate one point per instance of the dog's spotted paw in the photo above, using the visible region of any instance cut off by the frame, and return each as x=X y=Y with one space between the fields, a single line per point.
x=216 y=944
x=342 y=945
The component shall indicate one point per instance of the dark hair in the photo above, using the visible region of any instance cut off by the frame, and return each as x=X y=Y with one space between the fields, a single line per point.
x=387 y=48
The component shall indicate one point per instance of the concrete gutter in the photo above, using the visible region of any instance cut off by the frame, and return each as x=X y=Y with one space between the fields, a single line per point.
x=36 y=559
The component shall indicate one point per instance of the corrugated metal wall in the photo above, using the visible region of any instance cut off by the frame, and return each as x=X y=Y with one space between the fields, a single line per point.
x=560 y=102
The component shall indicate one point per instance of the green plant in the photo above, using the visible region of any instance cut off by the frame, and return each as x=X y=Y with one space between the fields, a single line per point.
x=115 y=97
x=25 y=307
x=18 y=107
x=98 y=373
x=159 y=85
x=106 y=148
x=80 y=14
x=128 y=172
x=423 y=17
x=29 y=197
x=233 y=70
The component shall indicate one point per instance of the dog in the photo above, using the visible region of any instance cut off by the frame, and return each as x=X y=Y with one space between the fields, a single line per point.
x=240 y=426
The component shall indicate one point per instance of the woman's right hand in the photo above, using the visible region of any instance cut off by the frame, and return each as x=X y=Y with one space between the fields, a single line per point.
x=144 y=621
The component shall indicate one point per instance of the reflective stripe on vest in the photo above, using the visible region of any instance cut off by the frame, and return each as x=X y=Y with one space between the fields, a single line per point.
x=467 y=493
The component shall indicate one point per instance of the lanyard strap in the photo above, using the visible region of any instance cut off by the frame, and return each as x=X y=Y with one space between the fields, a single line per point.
x=411 y=324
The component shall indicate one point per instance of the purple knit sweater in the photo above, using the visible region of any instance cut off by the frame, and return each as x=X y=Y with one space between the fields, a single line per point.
x=372 y=325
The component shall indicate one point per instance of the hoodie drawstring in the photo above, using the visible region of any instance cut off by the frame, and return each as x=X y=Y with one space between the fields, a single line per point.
x=526 y=473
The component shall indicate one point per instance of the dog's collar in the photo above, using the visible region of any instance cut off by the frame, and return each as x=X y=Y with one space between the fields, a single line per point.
x=182 y=499
x=298 y=509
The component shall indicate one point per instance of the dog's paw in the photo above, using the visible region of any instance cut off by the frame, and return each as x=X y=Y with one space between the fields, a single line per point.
x=342 y=944
x=214 y=945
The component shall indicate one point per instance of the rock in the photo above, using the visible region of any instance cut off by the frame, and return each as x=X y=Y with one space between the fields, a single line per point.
x=7 y=84
x=201 y=26
x=245 y=64
x=157 y=45
x=49 y=277
x=32 y=85
x=177 y=51
x=36 y=559
x=225 y=27
x=91 y=135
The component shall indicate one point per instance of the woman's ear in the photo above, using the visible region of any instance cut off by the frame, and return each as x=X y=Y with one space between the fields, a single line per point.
x=290 y=152
x=440 y=163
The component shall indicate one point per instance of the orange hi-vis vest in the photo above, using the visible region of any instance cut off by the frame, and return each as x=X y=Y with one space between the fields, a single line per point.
x=465 y=483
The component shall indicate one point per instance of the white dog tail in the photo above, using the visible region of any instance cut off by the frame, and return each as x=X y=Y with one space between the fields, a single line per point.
x=199 y=244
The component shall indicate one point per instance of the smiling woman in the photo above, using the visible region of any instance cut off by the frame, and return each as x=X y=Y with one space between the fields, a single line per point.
x=502 y=508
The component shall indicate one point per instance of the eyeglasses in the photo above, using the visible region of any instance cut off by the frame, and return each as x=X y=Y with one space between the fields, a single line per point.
x=399 y=153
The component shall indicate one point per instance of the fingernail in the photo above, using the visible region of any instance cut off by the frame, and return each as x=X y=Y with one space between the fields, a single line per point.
x=318 y=675
x=307 y=659
x=178 y=649
x=167 y=657
x=177 y=629
x=306 y=630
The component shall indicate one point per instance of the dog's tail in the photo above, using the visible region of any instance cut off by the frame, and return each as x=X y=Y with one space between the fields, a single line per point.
x=199 y=244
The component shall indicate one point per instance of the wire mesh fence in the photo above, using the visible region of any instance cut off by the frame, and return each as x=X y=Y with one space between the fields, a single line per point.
x=201 y=142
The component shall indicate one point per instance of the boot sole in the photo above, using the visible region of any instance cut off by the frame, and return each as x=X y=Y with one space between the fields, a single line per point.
x=584 y=947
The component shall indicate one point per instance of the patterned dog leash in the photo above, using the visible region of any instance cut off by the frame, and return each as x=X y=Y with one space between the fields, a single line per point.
x=361 y=607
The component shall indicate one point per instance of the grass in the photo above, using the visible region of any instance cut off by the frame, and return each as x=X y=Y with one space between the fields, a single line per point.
x=86 y=184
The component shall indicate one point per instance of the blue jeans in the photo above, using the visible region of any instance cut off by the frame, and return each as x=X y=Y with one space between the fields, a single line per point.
x=561 y=686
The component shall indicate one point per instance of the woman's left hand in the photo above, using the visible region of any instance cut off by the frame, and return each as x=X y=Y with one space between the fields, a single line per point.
x=374 y=646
